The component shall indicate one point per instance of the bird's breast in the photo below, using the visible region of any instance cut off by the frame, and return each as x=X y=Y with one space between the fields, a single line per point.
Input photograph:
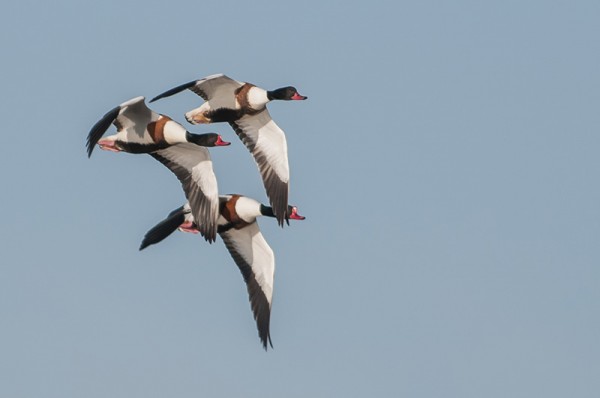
x=156 y=129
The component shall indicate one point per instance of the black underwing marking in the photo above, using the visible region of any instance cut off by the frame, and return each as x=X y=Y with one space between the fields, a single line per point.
x=224 y=228
x=135 y=147
x=100 y=128
x=174 y=90
x=225 y=115
x=276 y=189
x=258 y=301
x=164 y=228
x=200 y=204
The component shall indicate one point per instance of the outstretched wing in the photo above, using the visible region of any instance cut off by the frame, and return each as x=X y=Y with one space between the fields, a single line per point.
x=267 y=143
x=192 y=166
x=256 y=261
x=132 y=115
x=164 y=228
x=135 y=116
x=100 y=128
x=214 y=86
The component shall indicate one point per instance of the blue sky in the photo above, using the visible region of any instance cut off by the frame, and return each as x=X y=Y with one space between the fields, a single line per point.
x=446 y=161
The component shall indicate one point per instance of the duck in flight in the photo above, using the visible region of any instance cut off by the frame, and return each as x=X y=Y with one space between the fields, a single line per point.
x=239 y=230
x=243 y=106
x=141 y=130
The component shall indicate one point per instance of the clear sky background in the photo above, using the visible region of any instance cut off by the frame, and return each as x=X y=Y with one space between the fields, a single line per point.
x=446 y=161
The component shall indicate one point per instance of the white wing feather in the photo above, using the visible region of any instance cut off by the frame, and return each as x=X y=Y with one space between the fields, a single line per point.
x=135 y=116
x=218 y=91
x=249 y=244
x=193 y=167
x=266 y=136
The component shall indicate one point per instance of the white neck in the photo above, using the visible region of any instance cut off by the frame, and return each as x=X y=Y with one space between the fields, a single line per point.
x=247 y=209
x=174 y=132
x=257 y=97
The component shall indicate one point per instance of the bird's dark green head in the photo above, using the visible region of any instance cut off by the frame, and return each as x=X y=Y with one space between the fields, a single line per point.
x=207 y=140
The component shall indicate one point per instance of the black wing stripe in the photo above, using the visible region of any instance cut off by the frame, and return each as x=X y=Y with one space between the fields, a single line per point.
x=261 y=308
x=200 y=204
x=199 y=92
x=100 y=128
x=174 y=90
x=276 y=189
x=164 y=228
x=250 y=144
x=201 y=209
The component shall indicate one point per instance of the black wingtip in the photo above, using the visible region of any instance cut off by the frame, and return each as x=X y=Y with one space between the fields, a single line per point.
x=208 y=230
x=209 y=239
x=282 y=220
x=266 y=341
x=263 y=319
x=270 y=343
x=100 y=128
x=164 y=228
x=174 y=90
